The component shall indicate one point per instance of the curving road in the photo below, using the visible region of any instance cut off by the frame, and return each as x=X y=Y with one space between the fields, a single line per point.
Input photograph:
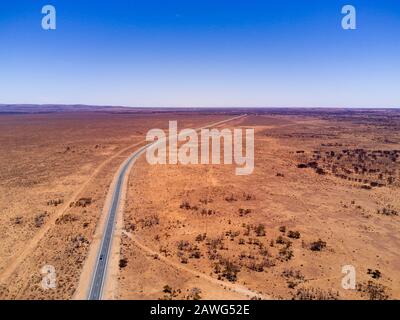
x=97 y=283
x=96 y=287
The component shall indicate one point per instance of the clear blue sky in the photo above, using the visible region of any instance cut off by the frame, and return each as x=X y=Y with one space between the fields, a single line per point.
x=205 y=53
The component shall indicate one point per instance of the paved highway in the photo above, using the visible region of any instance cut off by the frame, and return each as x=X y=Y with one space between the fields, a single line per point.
x=97 y=283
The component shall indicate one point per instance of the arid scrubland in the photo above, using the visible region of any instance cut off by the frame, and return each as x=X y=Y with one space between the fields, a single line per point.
x=55 y=173
x=324 y=194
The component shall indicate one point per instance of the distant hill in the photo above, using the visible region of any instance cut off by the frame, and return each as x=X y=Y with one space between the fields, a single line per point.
x=57 y=108
x=53 y=108
x=50 y=108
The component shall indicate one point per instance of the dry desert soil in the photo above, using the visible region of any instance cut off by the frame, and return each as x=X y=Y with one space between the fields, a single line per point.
x=324 y=194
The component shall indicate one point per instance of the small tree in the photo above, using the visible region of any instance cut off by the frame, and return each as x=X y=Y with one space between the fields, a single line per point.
x=260 y=230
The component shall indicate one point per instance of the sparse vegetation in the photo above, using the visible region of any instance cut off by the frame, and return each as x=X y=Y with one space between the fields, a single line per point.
x=293 y=277
x=230 y=198
x=294 y=234
x=210 y=200
x=40 y=218
x=66 y=218
x=170 y=293
x=244 y=212
x=184 y=260
x=285 y=253
x=187 y=206
x=167 y=289
x=248 y=197
x=369 y=168
x=55 y=202
x=315 y=294
x=282 y=240
x=317 y=245
x=77 y=243
x=149 y=221
x=229 y=270
x=123 y=262
x=17 y=220
x=375 y=274
x=373 y=290
x=194 y=294
x=260 y=230
x=201 y=237
x=82 y=202
x=388 y=211
x=192 y=251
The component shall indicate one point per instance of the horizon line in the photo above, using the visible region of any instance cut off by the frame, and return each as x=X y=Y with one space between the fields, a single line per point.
x=187 y=107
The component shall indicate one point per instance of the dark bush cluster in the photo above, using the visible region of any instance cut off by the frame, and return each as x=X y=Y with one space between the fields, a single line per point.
x=294 y=234
x=374 y=291
x=317 y=245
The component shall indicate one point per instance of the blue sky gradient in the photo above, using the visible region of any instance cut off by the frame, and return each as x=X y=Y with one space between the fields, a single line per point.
x=201 y=53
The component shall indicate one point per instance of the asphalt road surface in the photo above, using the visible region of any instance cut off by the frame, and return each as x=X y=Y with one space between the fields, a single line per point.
x=96 y=288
